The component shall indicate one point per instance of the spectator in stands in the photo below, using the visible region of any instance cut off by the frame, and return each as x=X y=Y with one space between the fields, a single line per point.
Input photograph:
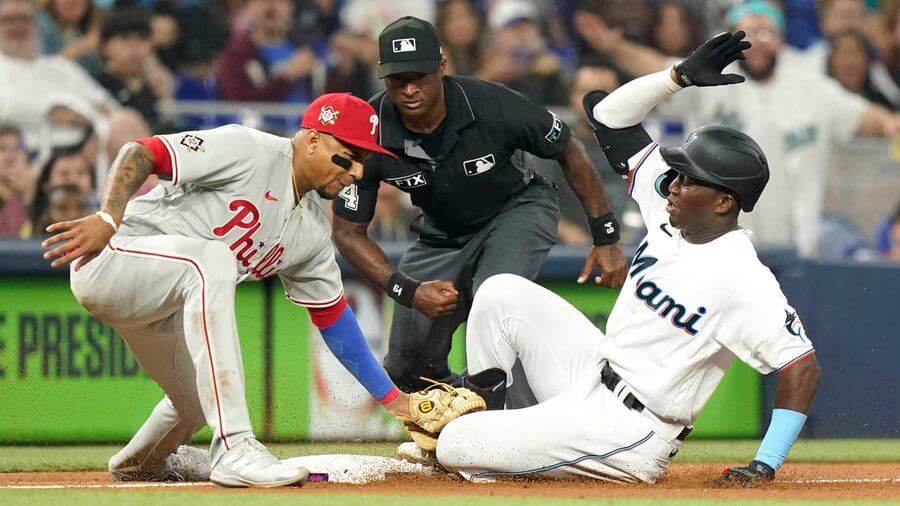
x=887 y=236
x=124 y=47
x=461 y=29
x=369 y=17
x=67 y=167
x=64 y=203
x=393 y=214
x=849 y=63
x=47 y=94
x=835 y=17
x=16 y=182
x=262 y=64
x=351 y=60
x=891 y=50
x=673 y=29
x=315 y=21
x=70 y=28
x=795 y=113
x=518 y=55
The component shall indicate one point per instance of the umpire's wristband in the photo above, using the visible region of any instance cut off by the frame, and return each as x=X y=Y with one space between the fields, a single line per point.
x=402 y=288
x=604 y=230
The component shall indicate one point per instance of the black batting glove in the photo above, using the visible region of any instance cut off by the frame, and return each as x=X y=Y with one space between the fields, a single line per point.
x=753 y=473
x=704 y=65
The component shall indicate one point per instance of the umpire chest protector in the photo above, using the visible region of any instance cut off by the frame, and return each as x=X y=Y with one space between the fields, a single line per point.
x=464 y=173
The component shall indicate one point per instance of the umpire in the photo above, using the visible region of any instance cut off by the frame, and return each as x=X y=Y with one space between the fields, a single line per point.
x=460 y=143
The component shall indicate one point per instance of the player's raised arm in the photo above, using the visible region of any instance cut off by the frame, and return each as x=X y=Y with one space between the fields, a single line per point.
x=86 y=237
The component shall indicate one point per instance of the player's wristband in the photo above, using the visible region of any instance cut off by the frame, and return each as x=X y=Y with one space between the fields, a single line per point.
x=604 y=230
x=783 y=431
x=108 y=219
x=402 y=288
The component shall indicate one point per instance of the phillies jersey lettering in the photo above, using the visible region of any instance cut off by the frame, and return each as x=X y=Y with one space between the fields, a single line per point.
x=688 y=310
x=234 y=184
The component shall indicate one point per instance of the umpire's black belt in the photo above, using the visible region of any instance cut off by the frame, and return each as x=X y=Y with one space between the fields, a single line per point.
x=612 y=379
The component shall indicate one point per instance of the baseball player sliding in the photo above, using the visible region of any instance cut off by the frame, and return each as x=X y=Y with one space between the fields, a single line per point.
x=239 y=204
x=617 y=406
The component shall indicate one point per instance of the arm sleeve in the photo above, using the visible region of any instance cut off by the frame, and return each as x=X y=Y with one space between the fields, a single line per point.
x=315 y=283
x=345 y=339
x=534 y=128
x=844 y=109
x=210 y=158
x=761 y=328
x=357 y=201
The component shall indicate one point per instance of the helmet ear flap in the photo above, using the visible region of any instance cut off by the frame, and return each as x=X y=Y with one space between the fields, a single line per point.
x=661 y=185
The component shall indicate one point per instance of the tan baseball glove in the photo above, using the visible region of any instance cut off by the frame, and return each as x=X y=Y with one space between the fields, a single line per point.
x=433 y=408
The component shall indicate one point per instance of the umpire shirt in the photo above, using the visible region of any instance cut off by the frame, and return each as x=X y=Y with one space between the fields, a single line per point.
x=463 y=173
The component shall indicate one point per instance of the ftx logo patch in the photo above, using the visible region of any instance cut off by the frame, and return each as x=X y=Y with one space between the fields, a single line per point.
x=555 y=129
x=410 y=181
x=192 y=142
x=404 y=45
x=479 y=165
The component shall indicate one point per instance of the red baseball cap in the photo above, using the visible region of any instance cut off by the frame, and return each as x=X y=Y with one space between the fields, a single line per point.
x=350 y=119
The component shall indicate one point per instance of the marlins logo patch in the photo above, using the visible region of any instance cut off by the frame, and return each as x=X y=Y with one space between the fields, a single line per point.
x=192 y=142
x=555 y=129
x=403 y=45
x=479 y=165
x=793 y=324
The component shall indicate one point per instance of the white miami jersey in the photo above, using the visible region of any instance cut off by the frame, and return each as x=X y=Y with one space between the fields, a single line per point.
x=234 y=184
x=687 y=310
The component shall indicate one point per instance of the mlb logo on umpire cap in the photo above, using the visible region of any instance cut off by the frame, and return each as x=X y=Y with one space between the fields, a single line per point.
x=404 y=45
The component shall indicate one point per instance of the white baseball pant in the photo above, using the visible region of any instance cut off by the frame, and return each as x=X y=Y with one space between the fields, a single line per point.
x=172 y=300
x=579 y=428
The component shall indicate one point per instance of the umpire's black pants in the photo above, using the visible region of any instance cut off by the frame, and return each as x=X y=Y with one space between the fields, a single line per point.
x=516 y=241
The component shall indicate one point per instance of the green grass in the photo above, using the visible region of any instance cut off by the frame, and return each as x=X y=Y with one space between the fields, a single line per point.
x=84 y=458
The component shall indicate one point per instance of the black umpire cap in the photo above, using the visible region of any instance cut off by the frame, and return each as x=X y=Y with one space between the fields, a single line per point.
x=721 y=157
x=408 y=45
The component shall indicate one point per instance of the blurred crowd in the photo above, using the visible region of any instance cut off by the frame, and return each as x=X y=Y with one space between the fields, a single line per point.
x=79 y=78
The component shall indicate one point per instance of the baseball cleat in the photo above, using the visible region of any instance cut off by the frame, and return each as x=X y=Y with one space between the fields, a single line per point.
x=410 y=452
x=249 y=464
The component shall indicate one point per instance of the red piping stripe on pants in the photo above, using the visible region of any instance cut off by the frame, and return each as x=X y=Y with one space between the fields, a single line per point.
x=212 y=367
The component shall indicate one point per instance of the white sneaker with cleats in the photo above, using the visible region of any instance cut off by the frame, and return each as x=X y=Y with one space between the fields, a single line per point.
x=249 y=464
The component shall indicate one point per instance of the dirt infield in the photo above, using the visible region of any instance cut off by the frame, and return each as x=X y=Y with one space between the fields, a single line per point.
x=795 y=481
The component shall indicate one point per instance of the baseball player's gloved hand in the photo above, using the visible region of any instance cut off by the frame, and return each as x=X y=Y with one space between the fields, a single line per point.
x=433 y=408
x=754 y=472
x=703 y=67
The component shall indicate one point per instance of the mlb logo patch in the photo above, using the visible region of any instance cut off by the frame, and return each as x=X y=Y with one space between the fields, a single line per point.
x=404 y=45
x=479 y=165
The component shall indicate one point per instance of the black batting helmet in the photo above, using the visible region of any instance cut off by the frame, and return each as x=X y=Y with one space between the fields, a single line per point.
x=722 y=157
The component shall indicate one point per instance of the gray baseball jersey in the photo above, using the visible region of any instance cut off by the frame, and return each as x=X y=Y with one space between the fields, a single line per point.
x=234 y=184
